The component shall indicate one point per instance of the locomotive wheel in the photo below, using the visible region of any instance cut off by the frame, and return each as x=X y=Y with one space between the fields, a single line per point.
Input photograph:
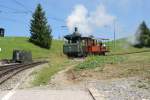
x=103 y=53
x=79 y=55
x=85 y=55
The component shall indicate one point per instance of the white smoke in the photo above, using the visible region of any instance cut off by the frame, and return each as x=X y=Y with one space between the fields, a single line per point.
x=133 y=39
x=88 y=21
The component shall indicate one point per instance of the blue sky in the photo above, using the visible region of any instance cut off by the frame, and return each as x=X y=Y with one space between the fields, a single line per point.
x=15 y=18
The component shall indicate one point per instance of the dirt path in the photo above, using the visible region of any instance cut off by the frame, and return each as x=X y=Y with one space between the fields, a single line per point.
x=62 y=80
x=128 y=88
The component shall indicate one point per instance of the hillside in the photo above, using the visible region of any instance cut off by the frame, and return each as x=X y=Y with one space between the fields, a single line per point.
x=9 y=43
x=57 y=61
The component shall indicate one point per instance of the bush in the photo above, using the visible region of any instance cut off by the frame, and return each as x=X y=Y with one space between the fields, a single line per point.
x=98 y=61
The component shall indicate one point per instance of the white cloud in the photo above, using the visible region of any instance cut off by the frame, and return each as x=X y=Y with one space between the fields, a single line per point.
x=88 y=21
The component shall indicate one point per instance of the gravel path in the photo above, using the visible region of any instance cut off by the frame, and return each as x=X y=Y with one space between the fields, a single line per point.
x=123 y=89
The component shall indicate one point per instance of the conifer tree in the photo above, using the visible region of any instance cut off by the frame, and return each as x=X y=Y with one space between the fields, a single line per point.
x=39 y=29
x=143 y=35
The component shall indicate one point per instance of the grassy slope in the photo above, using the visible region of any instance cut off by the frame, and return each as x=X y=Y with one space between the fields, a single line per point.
x=55 y=56
x=9 y=43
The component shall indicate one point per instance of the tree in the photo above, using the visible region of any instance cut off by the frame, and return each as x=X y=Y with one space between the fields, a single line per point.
x=143 y=35
x=39 y=29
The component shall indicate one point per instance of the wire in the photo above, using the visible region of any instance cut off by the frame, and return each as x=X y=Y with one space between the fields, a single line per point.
x=15 y=11
x=53 y=18
x=3 y=6
x=56 y=19
x=26 y=12
x=22 y=5
x=12 y=20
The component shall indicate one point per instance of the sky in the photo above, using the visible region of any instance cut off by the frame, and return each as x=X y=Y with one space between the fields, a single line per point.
x=96 y=17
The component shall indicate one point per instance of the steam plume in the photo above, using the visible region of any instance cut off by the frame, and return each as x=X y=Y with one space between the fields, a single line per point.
x=87 y=21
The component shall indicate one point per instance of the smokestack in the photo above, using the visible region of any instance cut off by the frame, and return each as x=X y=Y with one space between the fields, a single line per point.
x=76 y=29
x=76 y=32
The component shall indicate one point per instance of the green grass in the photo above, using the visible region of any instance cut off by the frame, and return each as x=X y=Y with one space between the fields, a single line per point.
x=8 y=44
x=43 y=76
x=57 y=62
x=121 y=46
x=92 y=62
x=55 y=56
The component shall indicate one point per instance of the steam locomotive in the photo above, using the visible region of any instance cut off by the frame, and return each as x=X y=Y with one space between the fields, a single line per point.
x=78 y=46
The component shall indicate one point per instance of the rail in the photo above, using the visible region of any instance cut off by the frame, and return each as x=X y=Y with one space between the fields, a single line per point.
x=9 y=71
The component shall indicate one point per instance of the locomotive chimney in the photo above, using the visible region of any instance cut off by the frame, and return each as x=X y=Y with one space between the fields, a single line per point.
x=76 y=33
x=76 y=29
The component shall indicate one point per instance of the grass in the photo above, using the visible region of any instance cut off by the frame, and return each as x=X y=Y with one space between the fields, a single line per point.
x=8 y=44
x=98 y=61
x=118 y=66
x=43 y=76
x=57 y=62
x=55 y=56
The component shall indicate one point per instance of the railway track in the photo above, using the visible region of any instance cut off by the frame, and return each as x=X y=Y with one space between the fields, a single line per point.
x=8 y=71
x=7 y=66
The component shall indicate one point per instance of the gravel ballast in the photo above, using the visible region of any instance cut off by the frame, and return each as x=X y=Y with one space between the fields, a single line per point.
x=12 y=82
